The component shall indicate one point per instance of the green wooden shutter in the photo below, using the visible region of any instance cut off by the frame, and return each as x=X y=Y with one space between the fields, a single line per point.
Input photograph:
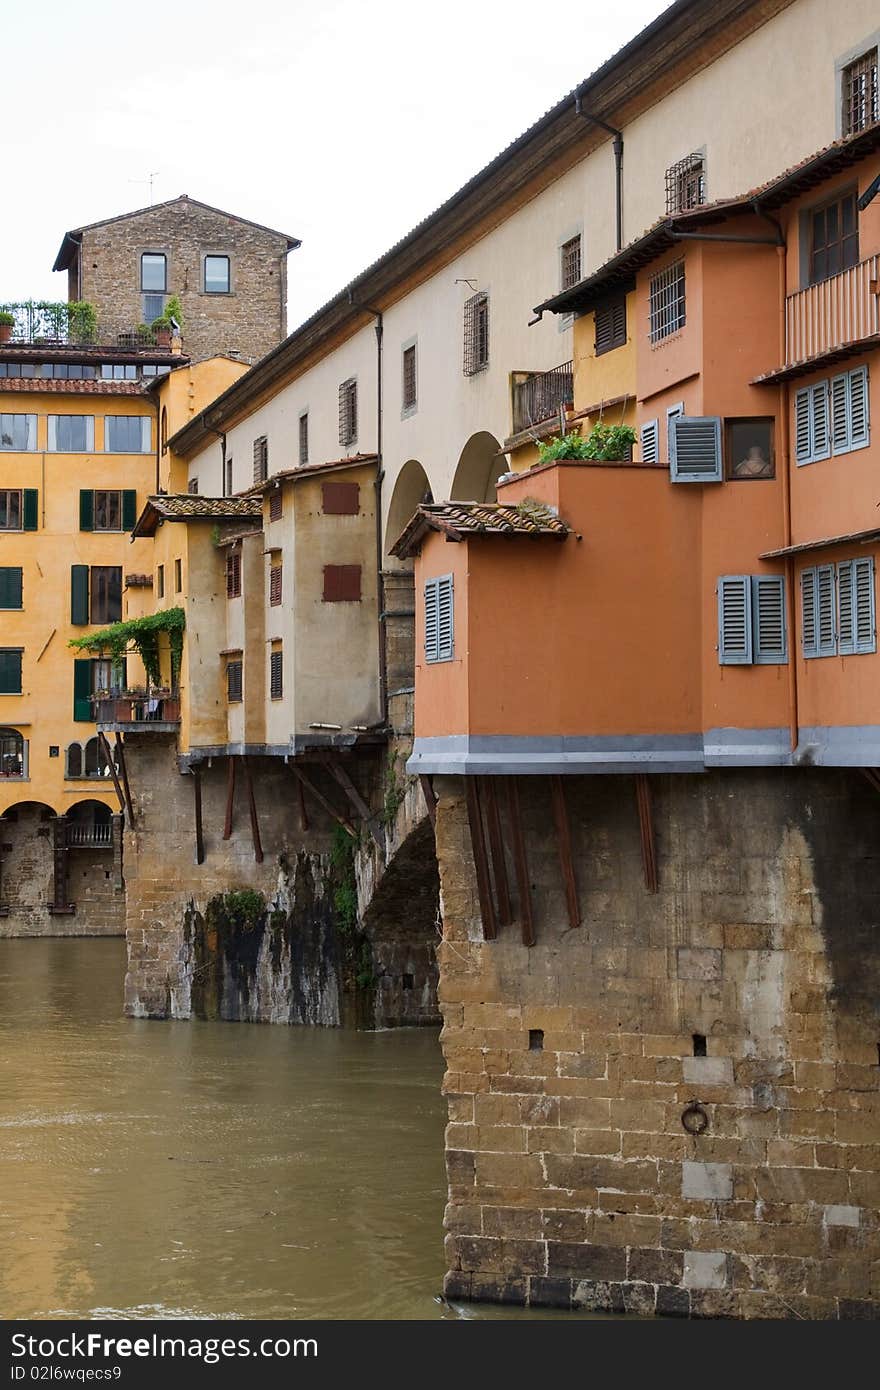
x=734 y=620
x=86 y=509
x=768 y=612
x=82 y=689
x=129 y=509
x=31 y=508
x=10 y=587
x=79 y=594
x=10 y=672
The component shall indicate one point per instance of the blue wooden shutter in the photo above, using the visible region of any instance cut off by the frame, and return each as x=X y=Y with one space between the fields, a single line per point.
x=445 y=619
x=826 y=626
x=10 y=586
x=432 y=623
x=809 y=634
x=802 y=426
x=86 y=509
x=695 y=448
x=770 y=643
x=649 y=438
x=820 y=433
x=840 y=431
x=859 y=423
x=846 y=633
x=82 y=690
x=855 y=606
x=79 y=594
x=129 y=509
x=734 y=620
x=31 y=509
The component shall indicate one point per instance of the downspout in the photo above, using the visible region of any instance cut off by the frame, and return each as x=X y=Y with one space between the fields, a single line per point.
x=380 y=474
x=617 y=146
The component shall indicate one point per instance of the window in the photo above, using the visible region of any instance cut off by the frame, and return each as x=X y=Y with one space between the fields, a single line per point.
x=276 y=505
x=276 y=675
x=119 y=371
x=105 y=591
x=666 y=307
x=275 y=583
x=476 y=334
x=749 y=448
x=340 y=499
x=410 y=388
x=106 y=510
x=217 y=275
x=751 y=620
x=10 y=670
x=831 y=416
x=439 y=619
x=838 y=614
x=10 y=509
x=153 y=307
x=233 y=574
x=10 y=586
x=348 y=412
x=570 y=262
x=154 y=271
x=193 y=487
x=71 y=434
x=163 y=429
x=860 y=107
x=694 y=448
x=233 y=681
x=261 y=459
x=127 y=434
x=304 y=437
x=342 y=583
x=178 y=576
x=686 y=184
x=18 y=432
x=160 y=581
x=12 y=754
x=833 y=237
x=649 y=439
x=611 y=326
x=227 y=476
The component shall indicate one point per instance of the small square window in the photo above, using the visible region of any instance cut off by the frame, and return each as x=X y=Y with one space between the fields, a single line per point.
x=686 y=184
x=217 y=275
x=749 y=448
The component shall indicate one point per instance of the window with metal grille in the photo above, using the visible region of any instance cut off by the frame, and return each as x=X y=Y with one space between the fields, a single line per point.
x=342 y=583
x=193 y=486
x=570 y=262
x=276 y=505
x=694 y=448
x=439 y=619
x=105 y=601
x=261 y=459
x=838 y=610
x=666 y=306
x=409 y=378
x=276 y=675
x=233 y=574
x=859 y=97
x=611 y=326
x=686 y=184
x=832 y=416
x=834 y=237
x=233 y=682
x=275 y=584
x=751 y=620
x=304 y=437
x=348 y=411
x=476 y=334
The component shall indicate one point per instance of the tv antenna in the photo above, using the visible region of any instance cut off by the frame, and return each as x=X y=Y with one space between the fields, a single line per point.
x=148 y=180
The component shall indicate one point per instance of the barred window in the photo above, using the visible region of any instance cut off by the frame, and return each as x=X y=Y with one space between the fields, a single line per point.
x=348 y=412
x=233 y=574
x=860 y=106
x=686 y=184
x=193 y=486
x=570 y=262
x=261 y=459
x=275 y=584
x=409 y=378
x=666 y=302
x=476 y=334
x=304 y=437
x=276 y=675
x=233 y=682
x=276 y=506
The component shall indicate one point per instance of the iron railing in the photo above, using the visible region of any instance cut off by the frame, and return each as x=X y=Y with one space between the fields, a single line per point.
x=842 y=309
x=137 y=709
x=82 y=835
x=39 y=321
x=538 y=396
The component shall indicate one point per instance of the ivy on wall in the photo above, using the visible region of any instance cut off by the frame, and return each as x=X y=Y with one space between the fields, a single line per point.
x=143 y=635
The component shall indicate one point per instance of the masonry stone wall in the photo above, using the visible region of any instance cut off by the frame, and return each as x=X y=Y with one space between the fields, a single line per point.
x=742 y=1000
x=250 y=320
x=27 y=881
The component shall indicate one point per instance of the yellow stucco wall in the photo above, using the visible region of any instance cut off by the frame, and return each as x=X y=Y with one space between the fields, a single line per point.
x=182 y=394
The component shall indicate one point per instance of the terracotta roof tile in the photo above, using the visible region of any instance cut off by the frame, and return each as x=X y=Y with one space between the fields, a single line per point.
x=188 y=506
x=307 y=470
x=459 y=521
x=73 y=388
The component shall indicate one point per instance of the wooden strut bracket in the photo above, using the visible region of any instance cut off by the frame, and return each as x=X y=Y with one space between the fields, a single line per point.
x=252 y=808
x=196 y=774
x=117 y=786
x=359 y=805
x=322 y=800
x=230 y=797
x=563 y=836
x=120 y=749
x=427 y=787
x=481 y=862
x=873 y=776
x=646 y=830
x=496 y=844
x=521 y=863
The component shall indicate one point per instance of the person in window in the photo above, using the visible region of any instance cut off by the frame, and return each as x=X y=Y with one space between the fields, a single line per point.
x=754 y=465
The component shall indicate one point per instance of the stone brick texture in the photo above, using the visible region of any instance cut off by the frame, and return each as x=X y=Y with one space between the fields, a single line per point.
x=250 y=320
x=26 y=882
x=566 y=1165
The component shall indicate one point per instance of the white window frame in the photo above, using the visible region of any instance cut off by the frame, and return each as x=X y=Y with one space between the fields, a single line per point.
x=51 y=443
x=146 y=434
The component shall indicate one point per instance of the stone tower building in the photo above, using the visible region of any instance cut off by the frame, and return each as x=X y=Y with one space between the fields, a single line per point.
x=230 y=275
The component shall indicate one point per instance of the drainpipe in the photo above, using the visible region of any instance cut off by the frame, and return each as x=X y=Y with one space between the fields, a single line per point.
x=617 y=146
x=380 y=474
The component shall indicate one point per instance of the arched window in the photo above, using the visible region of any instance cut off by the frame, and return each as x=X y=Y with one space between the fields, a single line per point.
x=11 y=753
x=93 y=759
x=163 y=429
x=74 y=760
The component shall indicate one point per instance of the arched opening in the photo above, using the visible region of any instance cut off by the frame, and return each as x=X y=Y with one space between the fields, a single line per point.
x=411 y=488
x=12 y=754
x=89 y=824
x=479 y=468
x=28 y=866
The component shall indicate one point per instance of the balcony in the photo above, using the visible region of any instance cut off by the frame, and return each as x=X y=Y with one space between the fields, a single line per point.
x=55 y=325
x=154 y=711
x=90 y=835
x=826 y=318
x=539 y=396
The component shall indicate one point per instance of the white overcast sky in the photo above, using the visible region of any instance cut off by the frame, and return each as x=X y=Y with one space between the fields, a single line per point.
x=342 y=123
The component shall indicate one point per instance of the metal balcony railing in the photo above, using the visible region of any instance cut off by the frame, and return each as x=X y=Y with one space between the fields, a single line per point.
x=136 y=709
x=52 y=324
x=538 y=396
x=82 y=835
x=842 y=309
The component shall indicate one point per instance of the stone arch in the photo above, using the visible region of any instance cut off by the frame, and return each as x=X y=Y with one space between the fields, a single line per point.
x=27 y=868
x=400 y=921
x=90 y=811
x=411 y=488
x=480 y=465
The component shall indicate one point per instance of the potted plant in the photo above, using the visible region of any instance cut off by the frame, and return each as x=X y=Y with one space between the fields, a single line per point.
x=605 y=443
x=164 y=325
x=7 y=324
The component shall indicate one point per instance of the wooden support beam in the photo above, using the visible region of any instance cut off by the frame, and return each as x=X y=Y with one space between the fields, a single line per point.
x=303 y=813
x=108 y=757
x=252 y=808
x=521 y=863
x=496 y=844
x=230 y=797
x=427 y=787
x=873 y=776
x=60 y=906
x=481 y=862
x=196 y=774
x=646 y=831
x=322 y=800
x=339 y=773
x=566 y=860
x=120 y=749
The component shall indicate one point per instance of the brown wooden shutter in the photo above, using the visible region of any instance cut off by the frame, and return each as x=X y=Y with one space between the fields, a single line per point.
x=342 y=583
x=340 y=499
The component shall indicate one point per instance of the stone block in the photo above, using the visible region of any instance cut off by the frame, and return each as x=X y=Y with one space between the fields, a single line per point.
x=707 y=1181
x=587 y=1261
x=705 y=1269
x=654 y=1266
x=842 y=1216
x=708 y=1071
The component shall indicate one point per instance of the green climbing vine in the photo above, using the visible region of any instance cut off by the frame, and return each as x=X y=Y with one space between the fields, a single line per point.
x=345 y=892
x=142 y=634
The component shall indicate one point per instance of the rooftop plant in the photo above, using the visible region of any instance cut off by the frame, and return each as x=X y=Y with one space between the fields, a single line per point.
x=173 y=310
x=143 y=635
x=608 y=443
